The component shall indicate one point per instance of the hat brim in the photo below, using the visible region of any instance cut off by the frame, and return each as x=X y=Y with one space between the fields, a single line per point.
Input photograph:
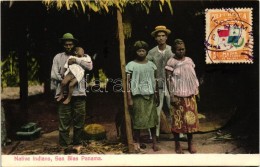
x=68 y=39
x=167 y=31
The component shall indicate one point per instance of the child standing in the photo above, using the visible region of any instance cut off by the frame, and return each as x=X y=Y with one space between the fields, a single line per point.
x=183 y=85
x=73 y=74
x=141 y=95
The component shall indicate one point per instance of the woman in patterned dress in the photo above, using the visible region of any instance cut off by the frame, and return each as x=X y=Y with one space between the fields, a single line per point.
x=183 y=86
x=141 y=95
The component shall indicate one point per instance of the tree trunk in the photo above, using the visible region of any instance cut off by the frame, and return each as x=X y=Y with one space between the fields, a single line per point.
x=23 y=83
x=23 y=70
x=122 y=61
x=3 y=127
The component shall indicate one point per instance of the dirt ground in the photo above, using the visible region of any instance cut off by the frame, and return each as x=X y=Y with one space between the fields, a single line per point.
x=102 y=109
x=48 y=144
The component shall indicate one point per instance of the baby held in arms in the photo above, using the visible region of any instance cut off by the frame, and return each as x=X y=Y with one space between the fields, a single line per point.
x=74 y=73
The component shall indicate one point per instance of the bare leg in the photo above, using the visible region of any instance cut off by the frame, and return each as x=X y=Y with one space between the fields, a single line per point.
x=64 y=82
x=61 y=94
x=137 y=135
x=73 y=82
x=137 y=138
x=153 y=132
x=178 y=148
x=191 y=147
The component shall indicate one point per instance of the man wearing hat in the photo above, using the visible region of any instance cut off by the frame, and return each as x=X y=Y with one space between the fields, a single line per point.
x=159 y=55
x=75 y=111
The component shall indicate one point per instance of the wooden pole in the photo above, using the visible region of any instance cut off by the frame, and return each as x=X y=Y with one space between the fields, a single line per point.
x=23 y=84
x=122 y=61
x=23 y=70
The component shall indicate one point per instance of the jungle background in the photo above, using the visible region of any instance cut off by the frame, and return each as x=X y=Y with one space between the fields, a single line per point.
x=29 y=41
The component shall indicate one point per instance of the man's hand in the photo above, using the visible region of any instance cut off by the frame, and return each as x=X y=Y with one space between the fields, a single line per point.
x=130 y=103
x=197 y=96
x=157 y=99
x=71 y=61
x=173 y=101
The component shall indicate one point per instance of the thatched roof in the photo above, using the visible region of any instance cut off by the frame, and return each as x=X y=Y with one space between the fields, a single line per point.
x=104 y=5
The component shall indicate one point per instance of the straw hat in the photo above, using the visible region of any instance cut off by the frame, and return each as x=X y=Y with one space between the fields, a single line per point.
x=160 y=28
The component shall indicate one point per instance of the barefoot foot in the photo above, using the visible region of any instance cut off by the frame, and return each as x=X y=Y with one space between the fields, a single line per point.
x=156 y=148
x=60 y=97
x=78 y=148
x=191 y=147
x=178 y=148
x=179 y=151
x=192 y=150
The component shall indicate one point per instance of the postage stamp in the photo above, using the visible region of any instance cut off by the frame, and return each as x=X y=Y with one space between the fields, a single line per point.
x=229 y=35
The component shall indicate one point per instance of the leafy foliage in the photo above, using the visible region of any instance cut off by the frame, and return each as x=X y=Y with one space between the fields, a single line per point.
x=10 y=70
x=103 y=5
x=33 y=70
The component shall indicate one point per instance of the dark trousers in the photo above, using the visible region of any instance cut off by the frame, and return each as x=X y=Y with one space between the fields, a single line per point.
x=72 y=113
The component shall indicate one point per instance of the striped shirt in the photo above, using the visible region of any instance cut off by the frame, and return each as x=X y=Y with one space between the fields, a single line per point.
x=183 y=81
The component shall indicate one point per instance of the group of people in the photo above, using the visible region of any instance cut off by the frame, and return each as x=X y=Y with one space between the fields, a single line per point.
x=162 y=73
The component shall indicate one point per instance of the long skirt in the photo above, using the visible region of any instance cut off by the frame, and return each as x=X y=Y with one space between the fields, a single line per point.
x=144 y=113
x=185 y=115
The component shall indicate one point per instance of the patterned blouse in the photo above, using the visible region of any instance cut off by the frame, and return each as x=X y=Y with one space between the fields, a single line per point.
x=183 y=82
x=142 y=80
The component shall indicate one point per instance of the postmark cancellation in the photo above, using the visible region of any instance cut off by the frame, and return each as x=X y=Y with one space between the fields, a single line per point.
x=229 y=35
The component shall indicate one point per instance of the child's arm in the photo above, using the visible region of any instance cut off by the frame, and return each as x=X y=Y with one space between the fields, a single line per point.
x=129 y=94
x=85 y=62
x=71 y=60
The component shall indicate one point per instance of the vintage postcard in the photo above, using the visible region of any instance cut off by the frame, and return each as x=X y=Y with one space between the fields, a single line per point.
x=129 y=83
